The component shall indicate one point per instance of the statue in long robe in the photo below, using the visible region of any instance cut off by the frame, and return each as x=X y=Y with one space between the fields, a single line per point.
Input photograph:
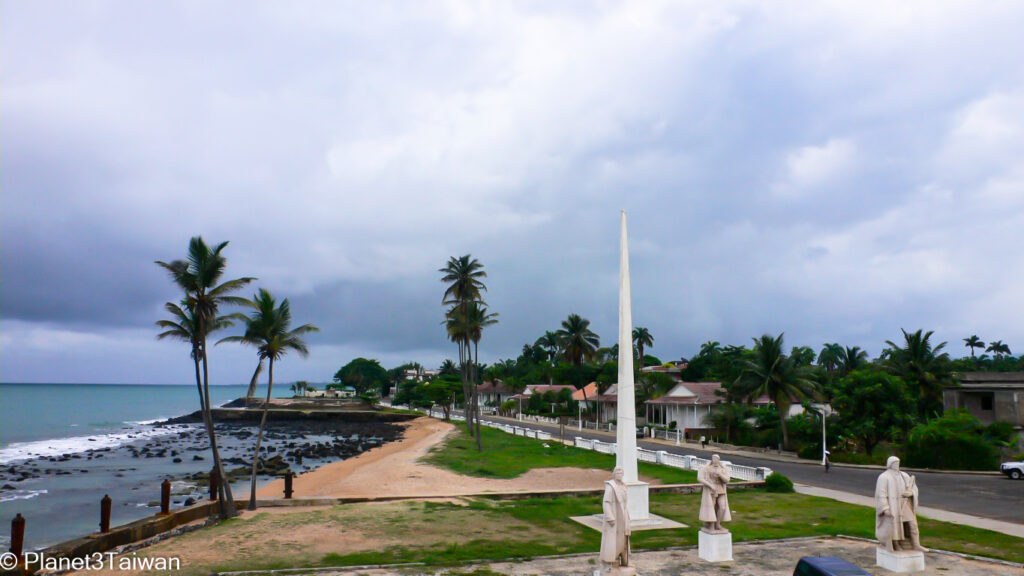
x=896 y=509
x=714 y=502
x=615 y=526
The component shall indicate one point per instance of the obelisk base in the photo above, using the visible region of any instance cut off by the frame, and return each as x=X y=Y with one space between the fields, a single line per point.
x=637 y=501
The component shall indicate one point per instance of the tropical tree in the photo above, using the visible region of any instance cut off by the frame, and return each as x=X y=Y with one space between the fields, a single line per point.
x=851 y=359
x=973 y=342
x=998 y=349
x=267 y=328
x=873 y=406
x=549 y=342
x=464 y=277
x=447 y=367
x=251 y=391
x=199 y=277
x=578 y=341
x=924 y=366
x=364 y=374
x=777 y=376
x=477 y=318
x=642 y=339
x=829 y=358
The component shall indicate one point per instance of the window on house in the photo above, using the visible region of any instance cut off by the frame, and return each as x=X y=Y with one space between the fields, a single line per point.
x=986 y=402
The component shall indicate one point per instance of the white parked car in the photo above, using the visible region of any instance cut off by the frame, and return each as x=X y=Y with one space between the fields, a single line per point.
x=1014 y=470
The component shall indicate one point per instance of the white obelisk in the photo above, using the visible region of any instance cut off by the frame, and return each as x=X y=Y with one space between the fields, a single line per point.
x=625 y=435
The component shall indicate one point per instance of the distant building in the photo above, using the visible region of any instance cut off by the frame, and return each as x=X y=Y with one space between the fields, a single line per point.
x=493 y=393
x=989 y=396
x=689 y=405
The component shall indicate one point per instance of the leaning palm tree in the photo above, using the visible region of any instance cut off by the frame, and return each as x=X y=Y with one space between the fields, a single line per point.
x=251 y=391
x=199 y=277
x=973 y=342
x=477 y=318
x=775 y=375
x=642 y=338
x=267 y=328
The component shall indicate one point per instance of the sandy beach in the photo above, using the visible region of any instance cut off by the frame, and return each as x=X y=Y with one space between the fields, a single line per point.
x=395 y=469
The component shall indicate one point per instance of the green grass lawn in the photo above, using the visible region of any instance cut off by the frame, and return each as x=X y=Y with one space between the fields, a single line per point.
x=508 y=456
x=444 y=533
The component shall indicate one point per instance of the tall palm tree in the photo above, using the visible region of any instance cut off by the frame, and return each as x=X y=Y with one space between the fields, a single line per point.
x=642 y=338
x=199 y=277
x=251 y=391
x=267 y=328
x=464 y=278
x=998 y=349
x=918 y=362
x=973 y=342
x=775 y=375
x=710 y=348
x=577 y=342
x=477 y=318
x=830 y=357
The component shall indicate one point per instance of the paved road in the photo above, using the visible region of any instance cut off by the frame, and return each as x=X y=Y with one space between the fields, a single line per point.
x=994 y=497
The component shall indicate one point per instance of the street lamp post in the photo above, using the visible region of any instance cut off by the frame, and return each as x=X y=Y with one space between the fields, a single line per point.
x=579 y=420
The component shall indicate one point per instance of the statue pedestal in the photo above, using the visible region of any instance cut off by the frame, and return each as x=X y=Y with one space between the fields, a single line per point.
x=714 y=547
x=615 y=571
x=901 y=561
x=637 y=501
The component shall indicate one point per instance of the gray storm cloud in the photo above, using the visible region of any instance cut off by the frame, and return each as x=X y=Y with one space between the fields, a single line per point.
x=836 y=172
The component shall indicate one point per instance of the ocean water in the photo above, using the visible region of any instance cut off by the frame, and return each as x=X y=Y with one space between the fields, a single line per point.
x=78 y=442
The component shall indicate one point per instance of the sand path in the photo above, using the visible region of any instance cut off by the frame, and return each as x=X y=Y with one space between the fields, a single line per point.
x=394 y=469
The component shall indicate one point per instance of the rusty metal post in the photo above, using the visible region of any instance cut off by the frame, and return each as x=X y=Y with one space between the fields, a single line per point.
x=288 y=485
x=214 y=482
x=165 y=497
x=17 y=535
x=105 y=513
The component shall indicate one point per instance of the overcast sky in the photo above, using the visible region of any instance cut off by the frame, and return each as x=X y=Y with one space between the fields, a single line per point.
x=833 y=171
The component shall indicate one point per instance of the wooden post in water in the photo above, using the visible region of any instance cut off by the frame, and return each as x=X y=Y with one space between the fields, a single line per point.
x=288 y=485
x=165 y=497
x=105 y=513
x=214 y=481
x=17 y=535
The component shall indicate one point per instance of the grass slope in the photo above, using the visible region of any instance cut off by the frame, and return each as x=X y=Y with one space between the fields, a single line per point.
x=508 y=456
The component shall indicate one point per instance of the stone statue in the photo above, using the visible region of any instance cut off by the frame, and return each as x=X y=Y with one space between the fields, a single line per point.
x=615 y=527
x=896 y=509
x=714 y=503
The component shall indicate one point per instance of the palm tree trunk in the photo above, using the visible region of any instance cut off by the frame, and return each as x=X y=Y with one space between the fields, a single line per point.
x=467 y=407
x=782 y=422
x=227 y=501
x=476 y=397
x=199 y=381
x=255 y=379
x=259 y=436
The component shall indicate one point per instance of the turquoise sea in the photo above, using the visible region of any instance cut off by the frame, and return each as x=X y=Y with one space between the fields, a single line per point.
x=63 y=446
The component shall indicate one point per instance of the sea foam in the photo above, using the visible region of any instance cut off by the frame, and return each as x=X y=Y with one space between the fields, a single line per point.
x=77 y=444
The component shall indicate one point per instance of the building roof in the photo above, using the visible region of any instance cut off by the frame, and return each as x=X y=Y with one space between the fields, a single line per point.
x=495 y=387
x=697 y=394
x=1003 y=380
x=589 y=389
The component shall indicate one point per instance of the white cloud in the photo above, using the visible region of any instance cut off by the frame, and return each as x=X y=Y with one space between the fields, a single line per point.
x=810 y=168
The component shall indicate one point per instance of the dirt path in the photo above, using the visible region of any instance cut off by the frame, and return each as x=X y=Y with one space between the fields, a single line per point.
x=395 y=470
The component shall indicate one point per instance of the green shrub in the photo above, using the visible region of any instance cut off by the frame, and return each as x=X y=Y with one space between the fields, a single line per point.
x=956 y=441
x=776 y=482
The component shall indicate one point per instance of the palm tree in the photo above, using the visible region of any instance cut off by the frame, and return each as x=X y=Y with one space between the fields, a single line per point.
x=997 y=348
x=852 y=358
x=477 y=318
x=549 y=342
x=447 y=367
x=578 y=342
x=198 y=276
x=918 y=362
x=642 y=338
x=710 y=348
x=251 y=391
x=973 y=342
x=775 y=375
x=267 y=328
x=830 y=357
x=463 y=275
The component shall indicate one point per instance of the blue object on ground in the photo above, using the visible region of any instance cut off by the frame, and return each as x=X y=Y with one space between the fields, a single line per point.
x=826 y=566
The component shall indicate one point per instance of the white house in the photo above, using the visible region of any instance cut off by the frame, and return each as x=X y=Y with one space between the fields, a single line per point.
x=689 y=405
